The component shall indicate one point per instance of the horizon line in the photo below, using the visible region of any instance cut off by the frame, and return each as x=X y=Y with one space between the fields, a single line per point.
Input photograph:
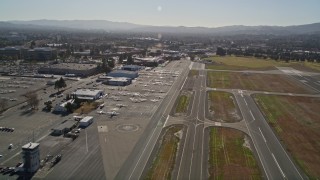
x=159 y=25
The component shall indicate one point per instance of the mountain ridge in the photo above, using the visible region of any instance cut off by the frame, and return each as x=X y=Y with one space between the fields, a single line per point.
x=131 y=27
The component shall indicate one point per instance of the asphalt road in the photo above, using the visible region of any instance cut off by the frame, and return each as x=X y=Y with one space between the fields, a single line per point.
x=135 y=164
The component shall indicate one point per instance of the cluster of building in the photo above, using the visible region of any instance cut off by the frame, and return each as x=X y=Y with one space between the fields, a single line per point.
x=40 y=54
x=81 y=70
x=122 y=77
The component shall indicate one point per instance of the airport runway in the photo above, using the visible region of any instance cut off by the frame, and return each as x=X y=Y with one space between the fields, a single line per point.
x=275 y=161
x=192 y=164
x=135 y=164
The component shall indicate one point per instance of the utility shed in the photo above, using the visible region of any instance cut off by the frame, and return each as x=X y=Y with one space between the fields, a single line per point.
x=63 y=128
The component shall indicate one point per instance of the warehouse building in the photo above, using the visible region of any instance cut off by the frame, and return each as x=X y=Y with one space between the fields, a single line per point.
x=63 y=128
x=118 y=81
x=61 y=108
x=81 y=70
x=123 y=73
x=87 y=94
x=132 y=67
x=103 y=78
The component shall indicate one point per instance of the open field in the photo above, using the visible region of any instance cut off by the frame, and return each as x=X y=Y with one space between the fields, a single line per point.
x=183 y=102
x=255 y=82
x=229 y=157
x=164 y=162
x=297 y=123
x=222 y=107
x=252 y=63
x=193 y=73
x=243 y=63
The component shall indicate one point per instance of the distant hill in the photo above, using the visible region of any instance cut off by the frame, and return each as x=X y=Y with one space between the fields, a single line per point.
x=129 y=27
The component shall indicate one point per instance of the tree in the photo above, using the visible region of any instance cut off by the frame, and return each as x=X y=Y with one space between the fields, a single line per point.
x=111 y=63
x=3 y=104
x=130 y=60
x=221 y=51
x=69 y=107
x=60 y=84
x=32 y=99
x=32 y=44
x=48 y=105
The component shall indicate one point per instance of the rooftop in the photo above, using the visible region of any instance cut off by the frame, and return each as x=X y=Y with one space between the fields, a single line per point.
x=73 y=66
x=123 y=71
x=30 y=146
x=87 y=92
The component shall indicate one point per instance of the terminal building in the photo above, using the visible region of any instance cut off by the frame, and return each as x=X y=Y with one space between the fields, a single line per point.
x=81 y=70
x=31 y=157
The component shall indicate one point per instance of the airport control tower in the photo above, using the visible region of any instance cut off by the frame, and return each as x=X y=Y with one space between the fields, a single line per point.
x=31 y=157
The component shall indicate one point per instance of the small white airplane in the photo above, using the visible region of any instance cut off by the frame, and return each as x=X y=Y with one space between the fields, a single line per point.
x=135 y=100
x=112 y=113
x=101 y=106
x=154 y=100
x=101 y=112
x=121 y=105
x=142 y=100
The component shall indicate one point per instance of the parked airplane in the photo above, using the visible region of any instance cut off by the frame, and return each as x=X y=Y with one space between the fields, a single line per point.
x=112 y=113
x=121 y=105
x=154 y=100
x=101 y=106
x=101 y=112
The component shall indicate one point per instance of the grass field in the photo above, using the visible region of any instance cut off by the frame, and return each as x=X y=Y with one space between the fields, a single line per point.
x=229 y=158
x=297 y=123
x=245 y=63
x=242 y=63
x=183 y=102
x=164 y=162
x=223 y=107
x=193 y=73
x=256 y=82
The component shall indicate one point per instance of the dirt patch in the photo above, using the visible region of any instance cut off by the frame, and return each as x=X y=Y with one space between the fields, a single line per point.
x=296 y=120
x=229 y=158
x=163 y=164
x=255 y=82
x=222 y=107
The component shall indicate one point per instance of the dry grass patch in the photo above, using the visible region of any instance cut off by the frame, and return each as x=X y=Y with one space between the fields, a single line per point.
x=223 y=107
x=193 y=73
x=255 y=82
x=229 y=157
x=87 y=107
x=297 y=123
x=164 y=162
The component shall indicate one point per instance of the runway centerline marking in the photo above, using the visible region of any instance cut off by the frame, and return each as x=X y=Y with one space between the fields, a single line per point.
x=274 y=158
x=262 y=135
x=252 y=115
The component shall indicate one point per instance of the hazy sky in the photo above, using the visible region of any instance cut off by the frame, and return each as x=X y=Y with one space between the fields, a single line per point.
x=210 y=13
